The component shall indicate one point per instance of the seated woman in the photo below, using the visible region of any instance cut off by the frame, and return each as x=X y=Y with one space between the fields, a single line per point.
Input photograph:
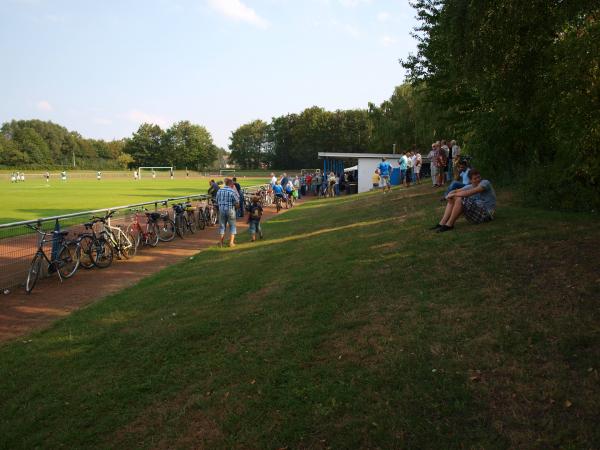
x=477 y=201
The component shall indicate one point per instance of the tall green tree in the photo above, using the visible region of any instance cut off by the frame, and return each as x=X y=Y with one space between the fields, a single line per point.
x=145 y=145
x=188 y=145
x=248 y=145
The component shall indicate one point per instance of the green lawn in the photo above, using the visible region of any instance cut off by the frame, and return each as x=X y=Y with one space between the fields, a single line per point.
x=34 y=198
x=350 y=326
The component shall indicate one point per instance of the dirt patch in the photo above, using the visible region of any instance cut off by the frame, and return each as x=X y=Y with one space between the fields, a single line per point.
x=51 y=300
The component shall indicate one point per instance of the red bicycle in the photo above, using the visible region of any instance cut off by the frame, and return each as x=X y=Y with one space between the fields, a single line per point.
x=147 y=235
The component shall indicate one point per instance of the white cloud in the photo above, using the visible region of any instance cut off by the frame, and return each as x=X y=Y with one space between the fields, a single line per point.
x=44 y=105
x=139 y=117
x=238 y=12
x=386 y=41
x=384 y=16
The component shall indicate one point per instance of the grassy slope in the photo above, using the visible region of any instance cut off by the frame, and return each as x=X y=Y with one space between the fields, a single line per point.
x=34 y=199
x=349 y=326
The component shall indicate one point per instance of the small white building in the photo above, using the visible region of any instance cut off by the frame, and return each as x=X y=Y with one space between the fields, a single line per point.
x=367 y=163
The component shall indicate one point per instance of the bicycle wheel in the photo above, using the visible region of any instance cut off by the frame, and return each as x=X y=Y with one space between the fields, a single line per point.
x=166 y=230
x=179 y=226
x=85 y=252
x=213 y=216
x=102 y=253
x=127 y=245
x=133 y=230
x=68 y=259
x=278 y=204
x=153 y=234
x=34 y=273
x=201 y=222
x=191 y=220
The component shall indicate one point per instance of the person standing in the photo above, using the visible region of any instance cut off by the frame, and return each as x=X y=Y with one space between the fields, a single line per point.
x=135 y=175
x=375 y=179
x=256 y=211
x=228 y=201
x=409 y=167
x=47 y=175
x=385 y=171
x=432 y=156
x=440 y=163
x=273 y=179
x=238 y=188
x=98 y=175
x=455 y=159
x=418 y=162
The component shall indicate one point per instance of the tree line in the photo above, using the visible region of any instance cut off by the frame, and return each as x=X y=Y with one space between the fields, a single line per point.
x=38 y=144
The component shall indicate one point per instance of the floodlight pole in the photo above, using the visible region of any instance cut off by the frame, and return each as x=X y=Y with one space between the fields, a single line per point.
x=394 y=148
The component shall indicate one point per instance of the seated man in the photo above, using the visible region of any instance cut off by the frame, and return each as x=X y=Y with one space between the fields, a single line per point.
x=464 y=176
x=477 y=201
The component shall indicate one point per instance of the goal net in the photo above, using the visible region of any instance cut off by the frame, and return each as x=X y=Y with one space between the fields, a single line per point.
x=227 y=172
x=155 y=172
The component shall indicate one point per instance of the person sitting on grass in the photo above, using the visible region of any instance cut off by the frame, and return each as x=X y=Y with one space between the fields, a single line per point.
x=461 y=181
x=477 y=201
x=255 y=209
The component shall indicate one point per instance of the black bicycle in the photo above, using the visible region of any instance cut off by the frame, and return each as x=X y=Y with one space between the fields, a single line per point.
x=94 y=249
x=64 y=259
x=182 y=220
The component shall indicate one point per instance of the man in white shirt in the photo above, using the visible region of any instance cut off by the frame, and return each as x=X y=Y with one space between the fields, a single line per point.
x=432 y=155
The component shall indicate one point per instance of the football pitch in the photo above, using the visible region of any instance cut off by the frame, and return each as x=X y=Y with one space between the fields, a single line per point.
x=35 y=198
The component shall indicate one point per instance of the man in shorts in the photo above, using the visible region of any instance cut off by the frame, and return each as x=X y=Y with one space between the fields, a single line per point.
x=385 y=171
x=476 y=201
x=228 y=201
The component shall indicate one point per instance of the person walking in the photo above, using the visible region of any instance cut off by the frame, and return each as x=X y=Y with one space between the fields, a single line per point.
x=228 y=201
x=256 y=211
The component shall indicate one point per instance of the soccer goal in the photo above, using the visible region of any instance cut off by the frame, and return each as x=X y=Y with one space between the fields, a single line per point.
x=156 y=172
x=230 y=172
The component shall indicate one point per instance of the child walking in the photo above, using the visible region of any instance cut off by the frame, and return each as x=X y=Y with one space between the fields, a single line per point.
x=256 y=212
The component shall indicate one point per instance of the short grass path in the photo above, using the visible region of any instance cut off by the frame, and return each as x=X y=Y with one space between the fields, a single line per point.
x=350 y=326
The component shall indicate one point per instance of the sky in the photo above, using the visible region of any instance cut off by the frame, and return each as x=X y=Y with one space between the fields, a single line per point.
x=103 y=67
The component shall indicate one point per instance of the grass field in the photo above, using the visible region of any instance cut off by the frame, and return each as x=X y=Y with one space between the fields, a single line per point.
x=350 y=326
x=34 y=198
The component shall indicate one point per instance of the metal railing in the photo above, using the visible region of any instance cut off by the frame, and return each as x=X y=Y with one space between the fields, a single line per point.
x=18 y=242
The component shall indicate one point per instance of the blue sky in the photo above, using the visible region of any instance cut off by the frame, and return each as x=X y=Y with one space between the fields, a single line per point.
x=104 y=67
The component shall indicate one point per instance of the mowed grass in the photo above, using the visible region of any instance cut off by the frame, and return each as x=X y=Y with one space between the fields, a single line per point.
x=35 y=198
x=350 y=326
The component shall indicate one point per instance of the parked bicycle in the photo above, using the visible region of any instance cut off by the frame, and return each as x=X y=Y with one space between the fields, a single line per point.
x=211 y=214
x=64 y=259
x=123 y=243
x=94 y=250
x=182 y=222
x=166 y=226
x=148 y=234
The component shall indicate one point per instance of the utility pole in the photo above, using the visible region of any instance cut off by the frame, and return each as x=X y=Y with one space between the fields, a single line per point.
x=73 y=153
x=394 y=148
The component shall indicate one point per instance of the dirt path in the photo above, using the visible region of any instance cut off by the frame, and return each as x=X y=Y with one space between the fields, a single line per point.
x=50 y=300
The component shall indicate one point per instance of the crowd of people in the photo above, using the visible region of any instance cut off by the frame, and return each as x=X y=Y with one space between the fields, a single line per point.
x=466 y=192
